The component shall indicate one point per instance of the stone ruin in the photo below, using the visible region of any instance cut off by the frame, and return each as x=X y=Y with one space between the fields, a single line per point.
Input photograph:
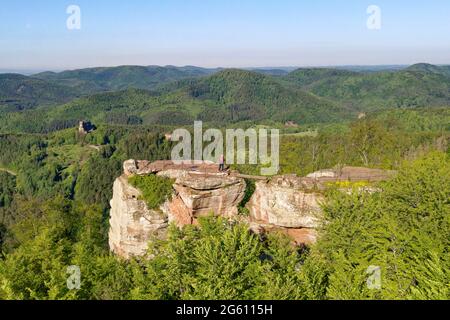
x=289 y=204
x=85 y=127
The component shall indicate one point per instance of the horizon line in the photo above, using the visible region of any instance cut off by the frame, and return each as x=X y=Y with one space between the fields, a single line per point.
x=31 y=71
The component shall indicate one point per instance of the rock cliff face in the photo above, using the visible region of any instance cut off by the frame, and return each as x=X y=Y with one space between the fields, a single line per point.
x=198 y=190
x=219 y=195
x=132 y=224
x=197 y=195
x=284 y=203
x=292 y=204
x=289 y=204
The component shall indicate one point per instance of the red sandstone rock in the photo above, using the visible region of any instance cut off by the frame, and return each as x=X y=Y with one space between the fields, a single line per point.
x=302 y=236
x=179 y=213
x=199 y=190
x=287 y=204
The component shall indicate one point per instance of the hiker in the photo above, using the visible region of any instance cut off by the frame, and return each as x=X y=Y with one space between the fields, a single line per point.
x=221 y=163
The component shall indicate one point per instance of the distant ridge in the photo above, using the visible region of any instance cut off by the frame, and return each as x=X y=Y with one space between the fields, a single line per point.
x=92 y=80
x=419 y=85
x=19 y=92
x=153 y=95
x=430 y=68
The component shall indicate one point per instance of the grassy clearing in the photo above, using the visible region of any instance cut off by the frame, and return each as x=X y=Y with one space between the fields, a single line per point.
x=155 y=189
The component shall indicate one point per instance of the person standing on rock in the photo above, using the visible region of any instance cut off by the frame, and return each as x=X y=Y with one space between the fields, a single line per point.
x=221 y=163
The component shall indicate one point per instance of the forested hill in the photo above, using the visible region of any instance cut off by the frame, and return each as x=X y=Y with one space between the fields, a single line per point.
x=237 y=95
x=227 y=97
x=430 y=68
x=123 y=77
x=18 y=92
x=417 y=86
x=134 y=95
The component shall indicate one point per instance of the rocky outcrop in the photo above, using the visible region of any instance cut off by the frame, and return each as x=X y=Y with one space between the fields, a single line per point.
x=285 y=202
x=292 y=204
x=299 y=236
x=288 y=204
x=210 y=195
x=132 y=224
x=198 y=190
x=201 y=195
x=352 y=174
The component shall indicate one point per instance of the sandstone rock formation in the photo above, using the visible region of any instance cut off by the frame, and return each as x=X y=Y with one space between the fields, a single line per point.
x=201 y=195
x=288 y=204
x=292 y=204
x=132 y=224
x=206 y=195
x=285 y=206
x=199 y=190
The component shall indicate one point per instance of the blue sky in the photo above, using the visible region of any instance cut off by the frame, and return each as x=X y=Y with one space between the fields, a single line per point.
x=227 y=33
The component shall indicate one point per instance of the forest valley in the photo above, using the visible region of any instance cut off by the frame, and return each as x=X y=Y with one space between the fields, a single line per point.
x=56 y=184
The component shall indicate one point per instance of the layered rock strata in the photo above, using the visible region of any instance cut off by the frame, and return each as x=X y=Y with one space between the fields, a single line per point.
x=288 y=204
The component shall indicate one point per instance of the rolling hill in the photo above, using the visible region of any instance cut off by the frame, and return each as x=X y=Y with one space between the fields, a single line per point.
x=226 y=97
x=18 y=92
x=420 y=85
x=178 y=96
x=240 y=95
x=94 y=80
x=430 y=68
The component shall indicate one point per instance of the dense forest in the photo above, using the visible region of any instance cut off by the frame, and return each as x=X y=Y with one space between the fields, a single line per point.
x=55 y=183
x=219 y=97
